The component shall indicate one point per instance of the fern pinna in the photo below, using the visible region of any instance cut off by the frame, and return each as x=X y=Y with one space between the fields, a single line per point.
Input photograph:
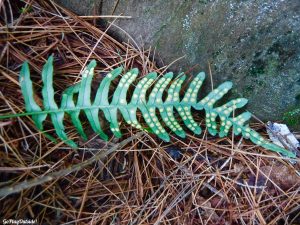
x=77 y=98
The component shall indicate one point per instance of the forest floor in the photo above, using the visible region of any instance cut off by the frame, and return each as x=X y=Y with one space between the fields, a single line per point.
x=136 y=179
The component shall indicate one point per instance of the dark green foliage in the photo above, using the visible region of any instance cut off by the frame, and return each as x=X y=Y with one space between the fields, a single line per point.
x=292 y=117
x=77 y=99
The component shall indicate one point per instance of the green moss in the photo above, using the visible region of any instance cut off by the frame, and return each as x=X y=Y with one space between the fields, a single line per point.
x=248 y=90
x=256 y=70
x=273 y=66
x=26 y=9
x=203 y=1
x=298 y=98
x=292 y=117
x=261 y=83
x=267 y=67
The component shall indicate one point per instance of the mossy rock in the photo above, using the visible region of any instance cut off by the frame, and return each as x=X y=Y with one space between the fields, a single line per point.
x=256 y=44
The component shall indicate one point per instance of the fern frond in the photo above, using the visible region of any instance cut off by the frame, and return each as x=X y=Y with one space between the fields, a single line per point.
x=77 y=99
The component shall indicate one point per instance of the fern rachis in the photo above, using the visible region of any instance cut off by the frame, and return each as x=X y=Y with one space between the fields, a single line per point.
x=146 y=105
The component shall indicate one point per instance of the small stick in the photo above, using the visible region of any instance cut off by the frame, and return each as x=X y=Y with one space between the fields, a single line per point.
x=55 y=175
x=105 y=16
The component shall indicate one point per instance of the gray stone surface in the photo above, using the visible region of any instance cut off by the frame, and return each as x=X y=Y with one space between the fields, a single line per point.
x=254 y=43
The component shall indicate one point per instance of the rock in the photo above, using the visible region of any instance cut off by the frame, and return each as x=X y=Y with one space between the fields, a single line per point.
x=256 y=44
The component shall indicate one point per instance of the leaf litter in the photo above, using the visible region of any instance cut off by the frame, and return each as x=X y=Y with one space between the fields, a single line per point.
x=137 y=179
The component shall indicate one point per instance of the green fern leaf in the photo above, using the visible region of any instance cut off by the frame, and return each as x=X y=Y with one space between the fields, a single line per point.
x=147 y=105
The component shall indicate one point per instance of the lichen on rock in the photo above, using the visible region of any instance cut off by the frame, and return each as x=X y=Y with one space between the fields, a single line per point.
x=256 y=44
